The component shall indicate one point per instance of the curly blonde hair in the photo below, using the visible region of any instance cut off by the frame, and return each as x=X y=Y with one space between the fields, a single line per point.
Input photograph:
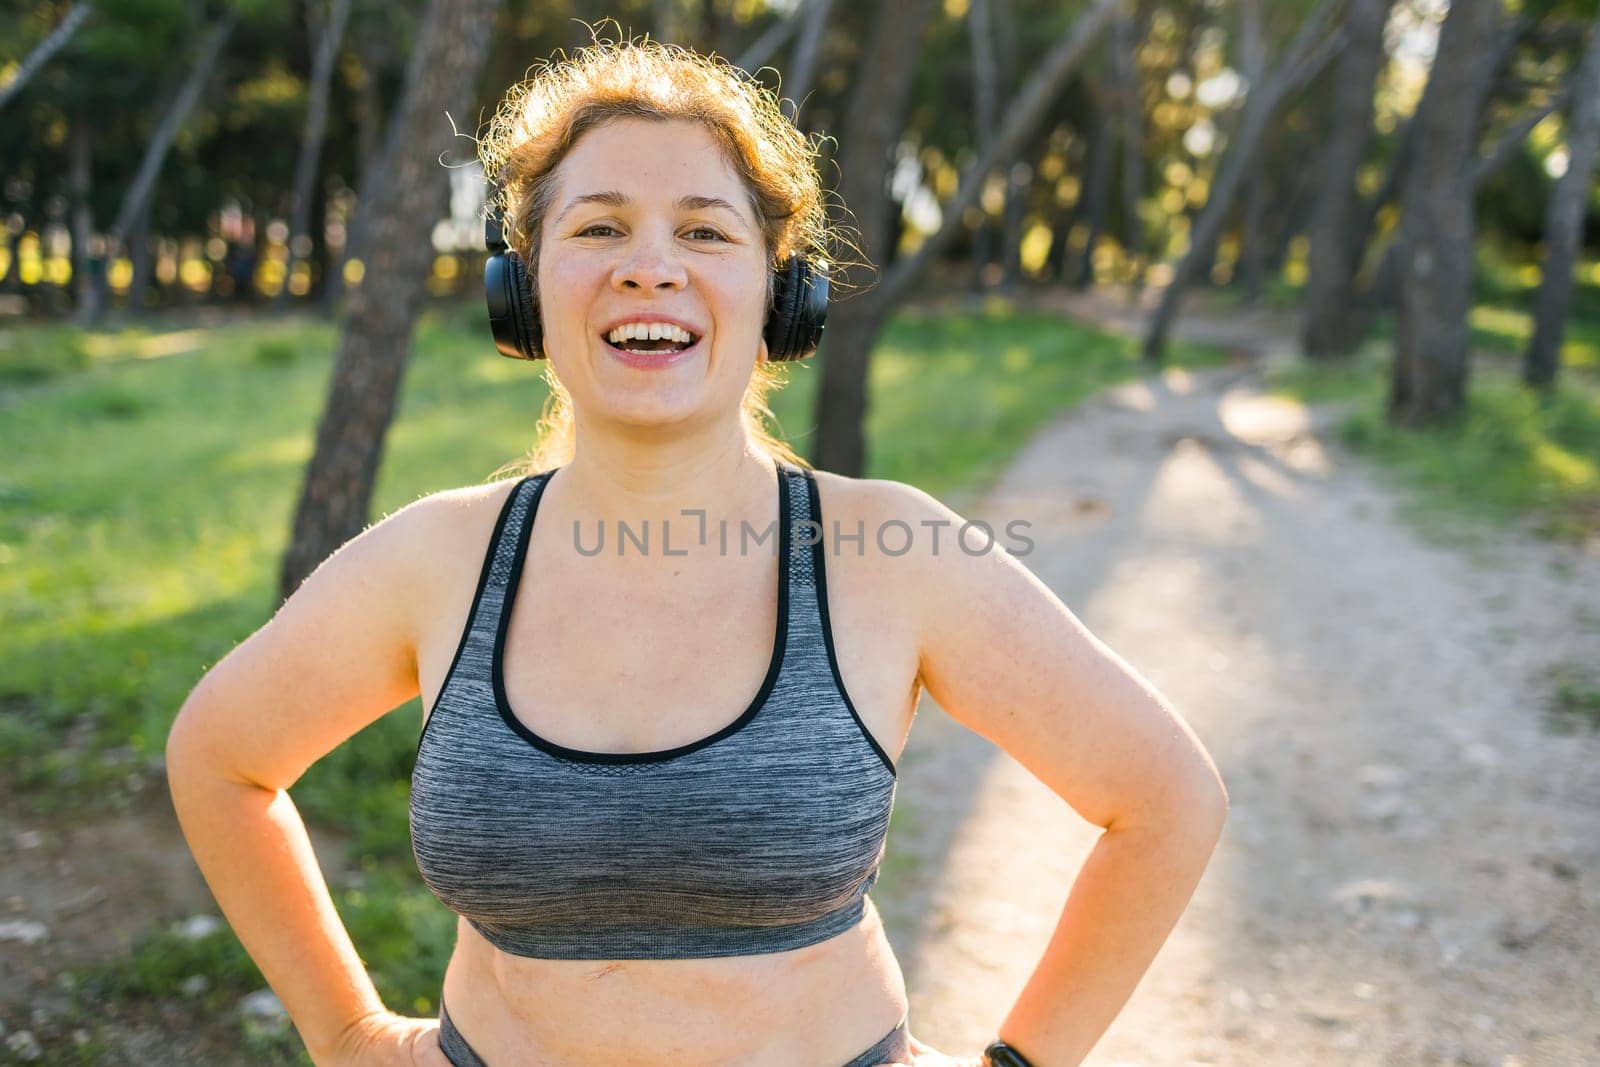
x=542 y=117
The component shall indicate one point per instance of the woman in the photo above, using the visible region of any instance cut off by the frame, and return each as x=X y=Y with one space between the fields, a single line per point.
x=644 y=873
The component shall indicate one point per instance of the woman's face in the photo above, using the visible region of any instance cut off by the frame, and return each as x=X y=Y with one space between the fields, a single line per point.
x=650 y=223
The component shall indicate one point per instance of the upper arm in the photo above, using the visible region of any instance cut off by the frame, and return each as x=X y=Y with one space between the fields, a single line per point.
x=337 y=654
x=1001 y=653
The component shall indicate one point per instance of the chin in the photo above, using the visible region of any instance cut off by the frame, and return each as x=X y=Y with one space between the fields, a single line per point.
x=653 y=407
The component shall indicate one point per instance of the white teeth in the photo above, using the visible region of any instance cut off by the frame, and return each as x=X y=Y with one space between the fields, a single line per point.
x=653 y=331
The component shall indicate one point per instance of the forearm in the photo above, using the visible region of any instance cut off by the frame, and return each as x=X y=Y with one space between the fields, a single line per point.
x=252 y=847
x=1127 y=897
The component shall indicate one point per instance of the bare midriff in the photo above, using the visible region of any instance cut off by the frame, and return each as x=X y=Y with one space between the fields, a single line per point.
x=818 y=1006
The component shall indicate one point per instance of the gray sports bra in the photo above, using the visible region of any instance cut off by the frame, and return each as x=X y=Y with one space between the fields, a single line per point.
x=761 y=837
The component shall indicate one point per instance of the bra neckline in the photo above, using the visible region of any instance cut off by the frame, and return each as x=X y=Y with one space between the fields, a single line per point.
x=580 y=755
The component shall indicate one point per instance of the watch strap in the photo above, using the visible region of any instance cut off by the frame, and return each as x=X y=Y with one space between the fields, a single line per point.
x=1000 y=1054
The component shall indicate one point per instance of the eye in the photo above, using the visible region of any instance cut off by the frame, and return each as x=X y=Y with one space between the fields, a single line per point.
x=707 y=229
x=597 y=226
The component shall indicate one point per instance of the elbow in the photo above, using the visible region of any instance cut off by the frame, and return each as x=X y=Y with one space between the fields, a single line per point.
x=1206 y=804
x=180 y=752
x=1196 y=803
x=179 y=736
x=187 y=751
x=1210 y=811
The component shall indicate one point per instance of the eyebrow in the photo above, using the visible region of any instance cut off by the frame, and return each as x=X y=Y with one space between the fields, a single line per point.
x=615 y=199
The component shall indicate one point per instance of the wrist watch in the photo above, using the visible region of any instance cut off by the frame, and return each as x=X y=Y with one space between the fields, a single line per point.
x=1000 y=1054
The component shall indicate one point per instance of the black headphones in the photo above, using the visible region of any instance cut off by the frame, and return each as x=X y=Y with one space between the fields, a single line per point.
x=793 y=329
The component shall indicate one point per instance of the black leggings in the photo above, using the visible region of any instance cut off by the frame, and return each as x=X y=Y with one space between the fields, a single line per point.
x=895 y=1045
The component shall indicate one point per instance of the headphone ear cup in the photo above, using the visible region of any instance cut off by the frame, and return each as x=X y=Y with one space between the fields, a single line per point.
x=799 y=310
x=525 y=308
x=513 y=304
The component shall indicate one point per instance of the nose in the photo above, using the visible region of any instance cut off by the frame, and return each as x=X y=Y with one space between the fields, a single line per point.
x=650 y=265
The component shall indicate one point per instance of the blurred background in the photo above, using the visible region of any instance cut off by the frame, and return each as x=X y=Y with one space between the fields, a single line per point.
x=241 y=317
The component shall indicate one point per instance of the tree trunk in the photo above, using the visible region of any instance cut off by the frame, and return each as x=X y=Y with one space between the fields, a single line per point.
x=139 y=256
x=1096 y=193
x=671 y=22
x=1020 y=173
x=1431 y=337
x=1056 y=259
x=980 y=34
x=1563 y=225
x=369 y=145
x=143 y=183
x=48 y=47
x=1305 y=57
x=79 y=176
x=1253 y=55
x=842 y=397
x=325 y=38
x=1294 y=204
x=1379 y=293
x=807 y=55
x=1131 y=113
x=322 y=258
x=1250 y=235
x=872 y=128
x=446 y=60
x=1333 y=257
x=1383 y=289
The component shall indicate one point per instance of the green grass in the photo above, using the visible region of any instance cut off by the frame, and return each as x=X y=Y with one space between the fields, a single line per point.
x=1575 y=702
x=1509 y=457
x=1505 y=287
x=145 y=504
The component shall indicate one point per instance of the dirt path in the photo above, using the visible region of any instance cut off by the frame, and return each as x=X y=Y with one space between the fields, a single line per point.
x=1411 y=869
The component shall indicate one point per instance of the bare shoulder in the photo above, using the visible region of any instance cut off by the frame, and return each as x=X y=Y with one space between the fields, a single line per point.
x=422 y=553
x=342 y=649
x=896 y=535
x=440 y=518
x=900 y=520
x=439 y=541
x=879 y=498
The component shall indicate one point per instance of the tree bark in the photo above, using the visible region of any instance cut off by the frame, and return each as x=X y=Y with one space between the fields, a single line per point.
x=370 y=138
x=1305 y=57
x=1096 y=193
x=1381 y=286
x=1253 y=53
x=446 y=60
x=1292 y=207
x=1020 y=173
x=1333 y=257
x=671 y=22
x=326 y=37
x=1431 y=364
x=48 y=47
x=1131 y=114
x=79 y=176
x=1563 y=226
x=139 y=257
x=980 y=35
x=143 y=183
x=807 y=57
x=872 y=128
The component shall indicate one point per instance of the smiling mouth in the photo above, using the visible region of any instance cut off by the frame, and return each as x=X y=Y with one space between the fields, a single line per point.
x=652 y=346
